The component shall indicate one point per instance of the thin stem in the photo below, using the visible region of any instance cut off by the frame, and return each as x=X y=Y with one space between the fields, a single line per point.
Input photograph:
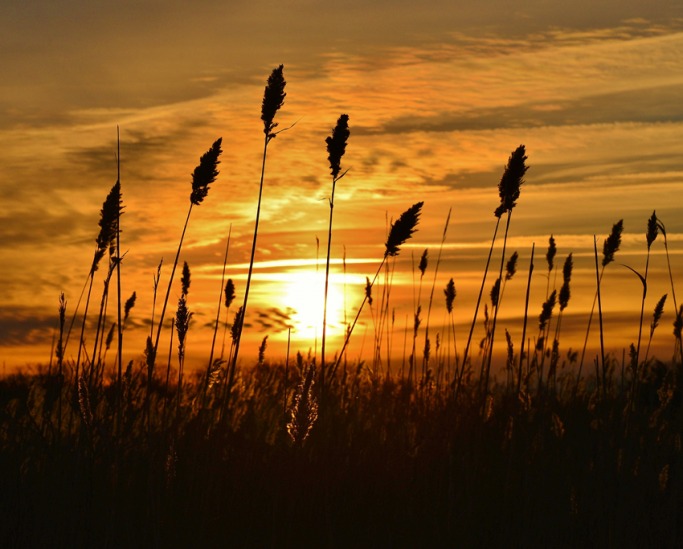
x=526 y=316
x=251 y=266
x=481 y=291
x=327 y=282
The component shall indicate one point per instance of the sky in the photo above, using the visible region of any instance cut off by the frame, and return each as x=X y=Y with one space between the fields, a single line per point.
x=438 y=96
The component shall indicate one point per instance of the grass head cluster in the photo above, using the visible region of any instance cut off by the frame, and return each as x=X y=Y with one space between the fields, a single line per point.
x=533 y=451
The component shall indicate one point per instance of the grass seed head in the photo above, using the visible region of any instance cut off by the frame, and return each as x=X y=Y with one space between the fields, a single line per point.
x=565 y=292
x=205 y=173
x=511 y=266
x=130 y=303
x=652 y=229
x=511 y=181
x=612 y=243
x=402 y=229
x=336 y=144
x=657 y=315
x=495 y=293
x=422 y=266
x=229 y=293
x=547 y=310
x=450 y=293
x=550 y=254
x=273 y=98
x=185 y=279
x=109 y=222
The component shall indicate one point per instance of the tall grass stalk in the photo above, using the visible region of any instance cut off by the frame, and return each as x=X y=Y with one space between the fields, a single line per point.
x=336 y=146
x=524 y=323
x=656 y=317
x=508 y=189
x=609 y=249
x=650 y=236
x=119 y=339
x=481 y=292
x=223 y=288
x=425 y=356
x=105 y=239
x=204 y=175
x=417 y=320
x=273 y=98
x=401 y=230
x=602 y=333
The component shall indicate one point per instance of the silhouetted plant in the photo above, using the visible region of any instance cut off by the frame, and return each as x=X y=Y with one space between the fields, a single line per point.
x=273 y=99
x=204 y=175
x=508 y=190
x=401 y=231
x=425 y=365
x=609 y=249
x=336 y=147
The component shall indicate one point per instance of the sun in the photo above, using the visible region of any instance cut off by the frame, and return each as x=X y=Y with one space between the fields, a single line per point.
x=304 y=293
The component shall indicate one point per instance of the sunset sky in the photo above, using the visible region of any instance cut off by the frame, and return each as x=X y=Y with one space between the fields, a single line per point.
x=438 y=96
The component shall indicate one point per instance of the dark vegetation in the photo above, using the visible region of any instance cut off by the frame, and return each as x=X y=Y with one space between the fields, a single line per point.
x=333 y=453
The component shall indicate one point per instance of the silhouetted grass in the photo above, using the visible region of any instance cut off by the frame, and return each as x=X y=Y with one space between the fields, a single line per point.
x=254 y=456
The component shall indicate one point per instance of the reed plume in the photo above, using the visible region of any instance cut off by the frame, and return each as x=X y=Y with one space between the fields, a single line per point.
x=425 y=365
x=273 y=99
x=304 y=412
x=650 y=236
x=106 y=238
x=182 y=324
x=336 y=147
x=656 y=317
x=508 y=190
x=400 y=231
x=609 y=248
x=204 y=175
x=211 y=367
x=550 y=259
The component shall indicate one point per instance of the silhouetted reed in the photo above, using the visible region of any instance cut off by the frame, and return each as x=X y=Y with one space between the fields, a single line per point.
x=204 y=175
x=336 y=147
x=609 y=249
x=401 y=231
x=508 y=190
x=273 y=99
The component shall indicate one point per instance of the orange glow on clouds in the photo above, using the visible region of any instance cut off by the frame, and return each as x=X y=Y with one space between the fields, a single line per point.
x=435 y=119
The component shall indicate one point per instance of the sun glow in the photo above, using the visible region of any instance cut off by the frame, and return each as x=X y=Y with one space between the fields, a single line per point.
x=304 y=293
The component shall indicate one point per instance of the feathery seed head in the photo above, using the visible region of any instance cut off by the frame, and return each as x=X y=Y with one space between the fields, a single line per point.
x=185 y=279
x=657 y=315
x=422 y=266
x=262 y=351
x=495 y=293
x=402 y=229
x=450 y=293
x=611 y=245
x=109 y=222
x=511 y=266
x=130 y=303
x=205 y=173
x=182 y=324
x=273 y=98
x=565 y=292
x=236 y=329
x=336 y=144
x=511 y=181
x=304 y=413
x=552 y=251
x=229 y=293
x=652 y=229
x=547 y=311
